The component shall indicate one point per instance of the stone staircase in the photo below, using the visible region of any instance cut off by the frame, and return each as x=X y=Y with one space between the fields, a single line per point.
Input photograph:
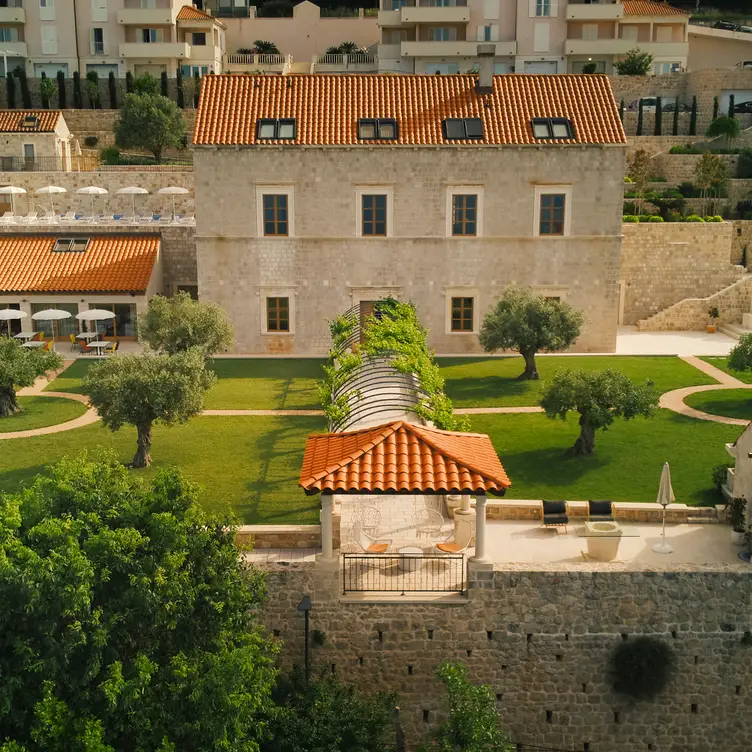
x=734 y=330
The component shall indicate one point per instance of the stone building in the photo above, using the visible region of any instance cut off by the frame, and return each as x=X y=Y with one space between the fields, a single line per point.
x=28 y=135
x=318 y=193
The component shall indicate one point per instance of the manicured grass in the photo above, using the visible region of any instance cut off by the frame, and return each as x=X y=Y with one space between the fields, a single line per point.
x=246 y=465
x=627 y=462
x=733 y=403
x=70 y=379
x=721 y=362
x=38 y=412
x=492 y=382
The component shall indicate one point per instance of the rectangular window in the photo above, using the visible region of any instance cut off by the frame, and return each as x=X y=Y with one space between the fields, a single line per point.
x=590 y=31
x=628 y=32
x=463 y=128
x=97 y=41
x=267 y=128
x=275 y=214
x=199 y=39
x=278 y=314
x=543 y=8
x=98 y=10
x=464 y=214
x=8 y=34
x=49 y=40
x=462 y=315
x=552 y=212
x=46 y=10
x=152 y=36
x=379 y=130
x=148 y=4
x=192 y=290
x=373 y=212
x=442 y=68
x=552 y=128
x=28 y=151
x=442 y=34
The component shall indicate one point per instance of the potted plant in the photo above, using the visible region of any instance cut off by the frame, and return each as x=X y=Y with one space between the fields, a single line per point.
x=713 y=313
x=736 y=514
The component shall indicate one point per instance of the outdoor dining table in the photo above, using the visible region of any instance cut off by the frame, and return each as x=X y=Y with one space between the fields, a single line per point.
x=24 y=335
x=87 y=335
x=35 y=343
x=100 y=345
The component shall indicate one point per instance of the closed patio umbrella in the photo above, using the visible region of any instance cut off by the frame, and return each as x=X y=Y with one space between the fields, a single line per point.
x=133 y=191
x=11 y=314
x=50 y=190
x=12 y=190
x=665 y=497
x=92 y=190
x=173 y=190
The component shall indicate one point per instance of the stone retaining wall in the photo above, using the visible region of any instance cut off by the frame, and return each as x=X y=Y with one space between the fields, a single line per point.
x=542 y=636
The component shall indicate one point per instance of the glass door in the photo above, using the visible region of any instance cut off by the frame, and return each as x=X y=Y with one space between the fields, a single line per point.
x=58 y=330
x=15 y=324
x=123 y=326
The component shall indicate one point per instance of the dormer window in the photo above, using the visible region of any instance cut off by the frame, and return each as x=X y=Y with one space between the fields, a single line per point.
x=461 y=129
x=552 y=128
x=381 y=129
x=30 y=122
x=70 y=244
x=267 y=128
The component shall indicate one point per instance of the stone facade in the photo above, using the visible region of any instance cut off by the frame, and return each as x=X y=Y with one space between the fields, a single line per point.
x=325 y=268
x=542 y=638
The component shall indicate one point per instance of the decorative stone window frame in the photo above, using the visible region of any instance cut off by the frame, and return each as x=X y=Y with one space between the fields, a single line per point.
x=275 y=190
x=374 y=190
x=544 y=190
x=551 y=291
x=461 y=292
x=361 y=294
x=464 y=190
x=277 y=292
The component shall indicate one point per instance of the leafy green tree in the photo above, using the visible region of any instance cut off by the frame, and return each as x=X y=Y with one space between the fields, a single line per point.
x=146 y=84
x=92 y=90
x=666 y=202
x=725 y=127
x=126 y=621
x=600 y=397
x=139 y=390
x=326 y=715
x=634 y=63
x=19 y=367
x=711 y=177
x=526 y=322
x=740 y=357
x=151 y=122
x=47 y=90
x=176 y=324
x=473 y=723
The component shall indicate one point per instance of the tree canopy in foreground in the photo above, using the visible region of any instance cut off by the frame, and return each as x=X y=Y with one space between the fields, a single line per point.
x=19 y=367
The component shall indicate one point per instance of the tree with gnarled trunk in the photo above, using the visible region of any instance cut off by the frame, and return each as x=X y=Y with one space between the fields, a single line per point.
x=139 y=390
x=528 y=323
x=19 y=367
x=600 y=397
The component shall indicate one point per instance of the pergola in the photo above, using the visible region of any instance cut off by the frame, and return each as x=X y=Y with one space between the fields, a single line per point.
x=400 y=457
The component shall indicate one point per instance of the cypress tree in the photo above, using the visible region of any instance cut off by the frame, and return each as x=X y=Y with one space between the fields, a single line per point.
x=693 y=118
x=78 y=100
x=11 y=91
x=715 y=107
x=61 y=96
x=638 y=130
x=181 y=98
x=731 y=105
x=129 y=82
x=42 y=87
x=25 y=93
x=196 y=88
x=165 y=90
x=112 y=86
x=658 y=117
x=675 y=124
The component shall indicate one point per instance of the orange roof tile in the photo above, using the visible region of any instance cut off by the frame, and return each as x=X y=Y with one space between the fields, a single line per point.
x=189 y=13
x=648 y=8
x=111 y=263
x=401 y=457
x=11 y=121
x=327 y=107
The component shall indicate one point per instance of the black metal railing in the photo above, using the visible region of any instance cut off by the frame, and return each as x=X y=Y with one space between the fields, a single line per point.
x=404 y=573
x=86 y=163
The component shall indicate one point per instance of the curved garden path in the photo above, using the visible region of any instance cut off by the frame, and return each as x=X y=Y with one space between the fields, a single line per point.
x=673 y=400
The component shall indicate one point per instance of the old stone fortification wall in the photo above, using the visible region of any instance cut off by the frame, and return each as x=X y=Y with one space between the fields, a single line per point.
x=662 y=264
x=542 y=637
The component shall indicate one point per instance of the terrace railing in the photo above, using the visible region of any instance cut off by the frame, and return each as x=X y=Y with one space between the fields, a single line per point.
x=404 y=573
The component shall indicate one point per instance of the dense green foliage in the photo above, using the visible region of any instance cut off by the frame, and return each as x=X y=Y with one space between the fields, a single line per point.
x=725 y=127
x=642 y=667
x=150 y=122
x=740 y=357
x=126 y=618
x=599 y=397
x=176 y=324
x=634 y=63
x=528 y=323
x=19 y=367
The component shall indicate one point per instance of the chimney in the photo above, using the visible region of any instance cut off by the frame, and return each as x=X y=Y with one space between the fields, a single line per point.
x=486 y=54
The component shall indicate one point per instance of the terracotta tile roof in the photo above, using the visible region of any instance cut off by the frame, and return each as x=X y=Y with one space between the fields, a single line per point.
x=111 y=263
x=401 y=457
x=327 y=107
x=189 y=13
x=647 y=8
x=11 y=121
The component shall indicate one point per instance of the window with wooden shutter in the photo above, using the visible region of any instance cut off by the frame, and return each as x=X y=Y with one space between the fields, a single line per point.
x=49 y=40
x=47 y=12
x=541 y=39
x=490 y=8
x=99 y=10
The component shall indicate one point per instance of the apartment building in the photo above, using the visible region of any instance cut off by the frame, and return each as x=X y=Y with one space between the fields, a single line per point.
x=530 y=36
x=140 y=36
x=318 y=193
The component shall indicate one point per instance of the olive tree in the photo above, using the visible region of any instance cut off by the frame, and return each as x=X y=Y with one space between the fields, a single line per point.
x=634 y=63
x=600 y=397
x=19 y=367
x=740 y=357
x=725 y=127
x=526 y=322
x=150 y=122
x=139 y=390
x=176 y=324
x=639 y=169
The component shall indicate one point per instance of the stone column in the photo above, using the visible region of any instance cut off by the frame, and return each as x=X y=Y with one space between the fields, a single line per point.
x=27 y=323
x=480 y=531
x=327 y=537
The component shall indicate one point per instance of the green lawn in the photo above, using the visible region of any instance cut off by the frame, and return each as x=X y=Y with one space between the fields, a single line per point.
x=247 y=464
x=626 y=465
x=492 y=382
x=70 y=379
x=720 y=362
x=38 y=412
x=733 y=403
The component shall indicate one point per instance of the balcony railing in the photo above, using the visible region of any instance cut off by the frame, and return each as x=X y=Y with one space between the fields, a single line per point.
x=241 y=59
x=356 y=58
x=404 y=573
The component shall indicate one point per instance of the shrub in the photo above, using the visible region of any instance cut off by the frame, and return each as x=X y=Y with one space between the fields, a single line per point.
x=685 y=149
x=693 y=218
x=129 y=83
x=92 y=90
x=634 y=63
x=718 y=474
x=736 y=516
x=629 y=208
x=658 y=179
x=110 y=155
x=91 y=140
x=744 y=165
x=673 y=216
x=590 y=67
x=179 y=81
x=656 y=218
x=630 y=194
x=164 y=84
x=645 y=217
x=642 y=667
x=627 y=179
x=630 y=218
x=714 y=218
x=744 y=207
x=78 y=99
x=693 y=118
x=688 y=190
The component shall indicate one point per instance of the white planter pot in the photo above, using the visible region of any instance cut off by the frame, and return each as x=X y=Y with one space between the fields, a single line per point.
x=737 y=538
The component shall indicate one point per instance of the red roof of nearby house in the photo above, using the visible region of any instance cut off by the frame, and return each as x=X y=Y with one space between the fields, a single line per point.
x=648 y=8
x=189 y=13
x=400 y=457
x=12 y=121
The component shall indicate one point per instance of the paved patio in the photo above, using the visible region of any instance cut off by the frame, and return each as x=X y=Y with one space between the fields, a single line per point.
x=631 y=341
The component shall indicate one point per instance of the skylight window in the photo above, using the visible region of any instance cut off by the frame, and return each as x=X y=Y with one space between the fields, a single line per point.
x=70 y=244
x=552 y=128
x=30 y=122
x=463 y=128
x=267 y=128
x=381 y=129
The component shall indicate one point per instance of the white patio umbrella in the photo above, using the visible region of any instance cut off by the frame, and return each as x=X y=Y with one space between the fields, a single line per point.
x=133 y=191
x=50 y=190
x=665 y=497
x=173 y=190
x=51 y=314
x=95 y=314
x=92 y=190
x=11 y=314
x=12 y=190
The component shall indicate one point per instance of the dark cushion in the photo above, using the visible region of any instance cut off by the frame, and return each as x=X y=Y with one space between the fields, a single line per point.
x=600 y=508
x=554 y=507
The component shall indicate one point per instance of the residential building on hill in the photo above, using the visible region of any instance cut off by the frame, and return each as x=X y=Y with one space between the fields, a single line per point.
x=316 y=194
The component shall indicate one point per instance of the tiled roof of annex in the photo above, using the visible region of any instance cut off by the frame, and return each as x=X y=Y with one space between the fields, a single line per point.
x=189 y=13
x=400 y=457
x=327 y=108
x=12 y=121
x=648 y=8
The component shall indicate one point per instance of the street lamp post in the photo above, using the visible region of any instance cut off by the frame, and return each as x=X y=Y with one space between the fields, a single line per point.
x=305 y=606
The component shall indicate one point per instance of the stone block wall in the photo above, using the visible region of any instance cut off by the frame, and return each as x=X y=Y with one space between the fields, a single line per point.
x=677 y=168
x=542 y=638
x=662 y=264
x=741 y=239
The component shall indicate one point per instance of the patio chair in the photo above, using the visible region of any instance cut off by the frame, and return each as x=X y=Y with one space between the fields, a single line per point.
x=367 y=543
x=49 y=345
x=74 y=342
x=367 y=516
x=459 y=539
x=113 y=348
x=7 y=218
x=187 y=220
x=49 y=218
x=38 y=336
x=68 y=217
x=29 y=218
x=427 y=522
x=601 y=511
x=555 y=514
x=86 y=349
